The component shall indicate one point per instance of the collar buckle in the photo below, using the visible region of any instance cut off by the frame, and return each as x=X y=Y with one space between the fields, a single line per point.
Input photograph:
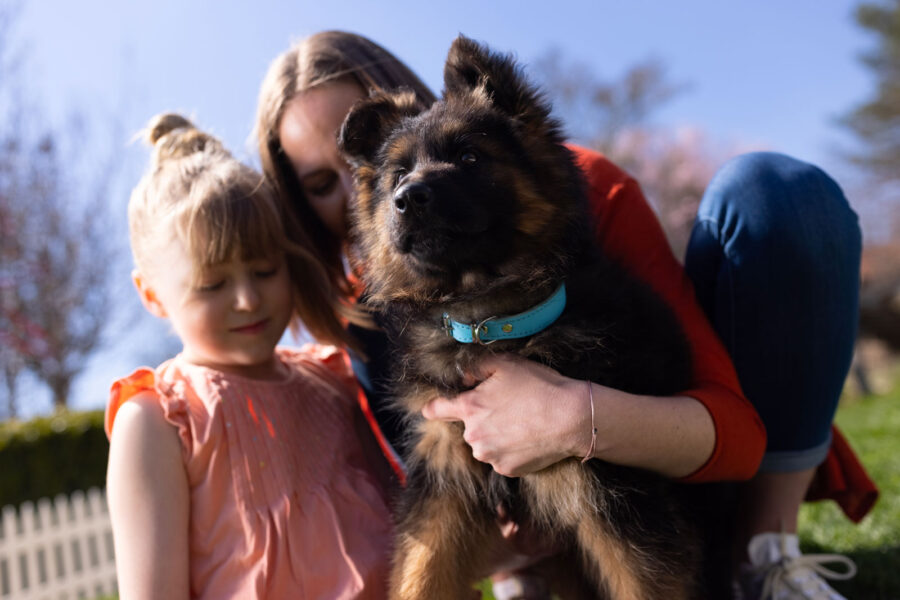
x=480 y=329
x=446 y=326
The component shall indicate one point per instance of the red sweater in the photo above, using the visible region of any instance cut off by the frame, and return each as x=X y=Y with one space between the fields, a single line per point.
x=629 y=231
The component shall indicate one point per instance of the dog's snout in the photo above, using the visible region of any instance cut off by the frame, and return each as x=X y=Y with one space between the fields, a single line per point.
x=412 y=196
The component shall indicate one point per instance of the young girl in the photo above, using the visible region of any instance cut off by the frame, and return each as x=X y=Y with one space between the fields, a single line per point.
x=237 y=469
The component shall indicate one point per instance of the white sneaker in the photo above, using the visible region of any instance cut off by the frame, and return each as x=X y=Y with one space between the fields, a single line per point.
x=777 y=571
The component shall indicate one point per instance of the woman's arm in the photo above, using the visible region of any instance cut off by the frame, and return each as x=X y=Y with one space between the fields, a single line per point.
x=524 y=416
x=628 y=231
x=148 y=495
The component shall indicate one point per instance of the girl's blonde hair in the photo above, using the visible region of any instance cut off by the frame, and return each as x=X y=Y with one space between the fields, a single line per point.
x=322 y=58
x=196 y=192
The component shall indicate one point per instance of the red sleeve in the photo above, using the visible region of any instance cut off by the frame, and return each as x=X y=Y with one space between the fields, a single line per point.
x=628 y=230
x=843 y=478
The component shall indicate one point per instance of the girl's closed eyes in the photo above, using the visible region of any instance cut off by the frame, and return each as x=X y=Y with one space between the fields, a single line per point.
x=214 y=278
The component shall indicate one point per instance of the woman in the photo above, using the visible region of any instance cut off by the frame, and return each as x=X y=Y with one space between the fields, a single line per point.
x=774 y=258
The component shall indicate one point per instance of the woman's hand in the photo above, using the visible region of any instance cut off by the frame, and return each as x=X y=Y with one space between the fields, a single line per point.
x=522 y=417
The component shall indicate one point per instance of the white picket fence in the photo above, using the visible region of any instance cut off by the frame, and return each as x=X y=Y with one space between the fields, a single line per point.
x=57 y=550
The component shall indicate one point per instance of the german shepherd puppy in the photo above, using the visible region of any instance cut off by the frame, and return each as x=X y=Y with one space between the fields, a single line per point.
x=473 y=209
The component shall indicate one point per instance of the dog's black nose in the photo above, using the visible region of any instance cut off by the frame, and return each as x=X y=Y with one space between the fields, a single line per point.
x=412 y=196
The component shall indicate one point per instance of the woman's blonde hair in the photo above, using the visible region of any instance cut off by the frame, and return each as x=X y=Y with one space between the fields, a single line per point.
x=322 y=58
x=196 y=192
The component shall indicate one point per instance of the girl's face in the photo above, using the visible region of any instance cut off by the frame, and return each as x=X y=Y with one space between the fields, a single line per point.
x=229 y=316
x=308 y=134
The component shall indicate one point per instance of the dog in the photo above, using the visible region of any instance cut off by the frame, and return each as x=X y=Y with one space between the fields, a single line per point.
x=467 y=212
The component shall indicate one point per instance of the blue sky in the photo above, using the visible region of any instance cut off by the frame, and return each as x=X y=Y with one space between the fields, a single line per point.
x=767 y=73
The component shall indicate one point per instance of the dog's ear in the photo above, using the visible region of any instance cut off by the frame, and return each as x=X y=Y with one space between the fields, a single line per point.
x=472 y=68
x=371 y=121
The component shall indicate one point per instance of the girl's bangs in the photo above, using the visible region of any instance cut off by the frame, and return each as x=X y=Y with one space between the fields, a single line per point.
x=241 y=224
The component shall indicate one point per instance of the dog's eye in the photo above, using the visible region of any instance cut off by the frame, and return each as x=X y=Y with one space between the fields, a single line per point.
x=469 y=158
x=399 y=174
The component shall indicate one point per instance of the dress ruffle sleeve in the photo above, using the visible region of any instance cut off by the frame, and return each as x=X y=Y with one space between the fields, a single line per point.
x=144 y=379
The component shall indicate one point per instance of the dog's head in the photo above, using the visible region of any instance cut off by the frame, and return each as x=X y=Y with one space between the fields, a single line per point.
x=475 y=190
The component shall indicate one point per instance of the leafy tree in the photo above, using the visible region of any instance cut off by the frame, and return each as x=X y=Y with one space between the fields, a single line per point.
x=615 y=117
x=56 y=250
x=876 y=122
x=876 y=125
x=597 y=110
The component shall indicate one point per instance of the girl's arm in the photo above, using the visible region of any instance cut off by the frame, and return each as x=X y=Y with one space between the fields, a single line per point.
x=148 y=497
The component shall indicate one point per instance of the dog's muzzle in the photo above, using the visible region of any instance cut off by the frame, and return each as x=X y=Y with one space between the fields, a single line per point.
x=413 y=199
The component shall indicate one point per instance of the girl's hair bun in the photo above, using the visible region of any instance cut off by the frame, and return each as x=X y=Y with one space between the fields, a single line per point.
x=164 y=123
x=173 y=136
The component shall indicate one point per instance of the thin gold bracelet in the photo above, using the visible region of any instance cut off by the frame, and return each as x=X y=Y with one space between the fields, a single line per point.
x=590 y=451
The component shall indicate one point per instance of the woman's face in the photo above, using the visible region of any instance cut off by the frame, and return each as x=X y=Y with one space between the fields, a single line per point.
x=308 y=134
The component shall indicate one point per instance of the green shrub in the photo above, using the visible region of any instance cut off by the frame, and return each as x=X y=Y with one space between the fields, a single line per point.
x=52 y=455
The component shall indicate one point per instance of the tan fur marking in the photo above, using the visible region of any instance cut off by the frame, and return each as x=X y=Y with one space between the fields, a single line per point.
x=442 y=446
x=535 y=211
x=558 y=494
x=440 y=553
x=480 y=95
x=364 y=177
x=615 y=562
x=398 y=149
x=559 y=497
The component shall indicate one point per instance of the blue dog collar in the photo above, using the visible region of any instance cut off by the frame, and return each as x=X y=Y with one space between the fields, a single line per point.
x=505 y=328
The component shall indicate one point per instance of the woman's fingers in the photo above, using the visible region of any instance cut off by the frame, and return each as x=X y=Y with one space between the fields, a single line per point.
x=515 y=419
x=443 y=409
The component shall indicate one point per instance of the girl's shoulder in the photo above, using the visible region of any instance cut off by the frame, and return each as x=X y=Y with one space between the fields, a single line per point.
x=141 y=383
x=167 y=386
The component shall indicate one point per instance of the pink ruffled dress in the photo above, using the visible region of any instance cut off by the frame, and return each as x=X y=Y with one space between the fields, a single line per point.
x=283 y=502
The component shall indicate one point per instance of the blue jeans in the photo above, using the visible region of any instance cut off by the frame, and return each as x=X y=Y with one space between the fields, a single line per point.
x=774 y=256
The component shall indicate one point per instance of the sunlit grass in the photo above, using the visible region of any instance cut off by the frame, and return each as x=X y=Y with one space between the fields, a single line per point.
x=872 y=425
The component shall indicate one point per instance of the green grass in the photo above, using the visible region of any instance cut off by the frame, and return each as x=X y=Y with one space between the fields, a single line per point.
x=485 y=587
x=872 y=426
